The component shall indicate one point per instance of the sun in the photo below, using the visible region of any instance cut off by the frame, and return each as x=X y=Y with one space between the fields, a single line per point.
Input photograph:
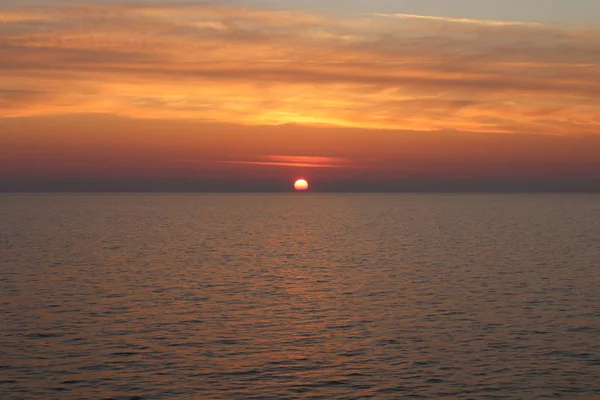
x=301 y=185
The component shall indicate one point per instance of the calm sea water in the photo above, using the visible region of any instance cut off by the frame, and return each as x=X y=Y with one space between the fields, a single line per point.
x=300 y=296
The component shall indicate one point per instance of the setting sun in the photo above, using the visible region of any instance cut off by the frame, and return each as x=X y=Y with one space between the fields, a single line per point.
x=301 y=184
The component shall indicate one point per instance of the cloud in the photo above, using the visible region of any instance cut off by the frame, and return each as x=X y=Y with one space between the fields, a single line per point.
x=460 y=20
x=213 y=62
x=17 y=98
x=279 y=161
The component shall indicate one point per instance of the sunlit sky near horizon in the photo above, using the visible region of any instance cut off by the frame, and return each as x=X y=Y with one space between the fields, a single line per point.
x=227 y=95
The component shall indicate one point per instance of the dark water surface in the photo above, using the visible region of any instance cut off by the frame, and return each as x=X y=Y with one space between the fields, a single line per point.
x=300 y=296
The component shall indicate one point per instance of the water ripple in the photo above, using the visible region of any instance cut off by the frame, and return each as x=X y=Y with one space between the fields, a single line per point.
x=299 y=297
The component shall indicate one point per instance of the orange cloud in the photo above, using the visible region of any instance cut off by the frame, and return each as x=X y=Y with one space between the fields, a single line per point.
x=281 y=161
x=247 y=66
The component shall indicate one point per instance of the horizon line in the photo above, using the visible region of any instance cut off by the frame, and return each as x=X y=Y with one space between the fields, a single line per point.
x=303 y=193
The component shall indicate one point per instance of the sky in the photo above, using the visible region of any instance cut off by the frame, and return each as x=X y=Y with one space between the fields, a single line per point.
x=249 y=95
x=546 y=11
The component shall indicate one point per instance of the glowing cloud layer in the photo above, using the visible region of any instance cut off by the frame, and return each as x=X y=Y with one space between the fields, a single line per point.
x=211 y=62
x=280 y=161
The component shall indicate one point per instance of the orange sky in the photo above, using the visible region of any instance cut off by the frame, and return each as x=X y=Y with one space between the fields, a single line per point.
x=224 y=97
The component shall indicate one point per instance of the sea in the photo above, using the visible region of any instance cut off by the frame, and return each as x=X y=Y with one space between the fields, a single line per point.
x=299 y=296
